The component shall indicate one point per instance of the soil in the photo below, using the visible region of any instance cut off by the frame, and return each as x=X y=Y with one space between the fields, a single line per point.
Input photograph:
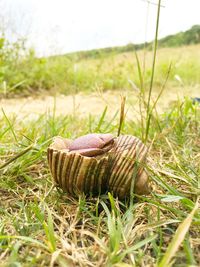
x=94 y=103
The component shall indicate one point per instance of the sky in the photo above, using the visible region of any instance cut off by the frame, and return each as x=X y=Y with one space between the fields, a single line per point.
x=61 y=26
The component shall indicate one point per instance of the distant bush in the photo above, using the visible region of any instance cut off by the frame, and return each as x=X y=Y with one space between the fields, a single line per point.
x=191 y=36
x=22 y=73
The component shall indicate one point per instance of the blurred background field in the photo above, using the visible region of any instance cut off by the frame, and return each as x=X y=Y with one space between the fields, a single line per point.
x=23 y=74
x=77 y=93
x=98 y=77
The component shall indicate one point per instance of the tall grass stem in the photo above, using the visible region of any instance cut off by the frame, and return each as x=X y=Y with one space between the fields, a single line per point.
x=148 y=119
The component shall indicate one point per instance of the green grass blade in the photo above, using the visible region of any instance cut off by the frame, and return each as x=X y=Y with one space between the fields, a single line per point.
x=17 y=156
x=49 y=230
x=141 y=244
x=101 y=120
x=25 y=239
x=189 y=253
x=178 y=238
x=149 y=115
x=10 y=125
x=121 y=120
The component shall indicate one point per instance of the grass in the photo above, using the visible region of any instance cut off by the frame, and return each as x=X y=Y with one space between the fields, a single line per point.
x=114 y=71
x=42 y=226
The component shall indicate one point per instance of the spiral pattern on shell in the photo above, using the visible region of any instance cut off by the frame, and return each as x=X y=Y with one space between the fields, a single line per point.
x=119 y=170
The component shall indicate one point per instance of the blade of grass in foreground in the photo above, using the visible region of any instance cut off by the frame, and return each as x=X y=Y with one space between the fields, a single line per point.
x=121 y=121
x=17 y=156
x=49 y=230
x=10 y=125
x=178 y=238
x=152 y=73
x=25 y=239
x=101 y=120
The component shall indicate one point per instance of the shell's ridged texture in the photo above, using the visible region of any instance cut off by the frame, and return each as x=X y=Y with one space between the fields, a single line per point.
x=117 y=171
x=76 y=174
x=127 y=164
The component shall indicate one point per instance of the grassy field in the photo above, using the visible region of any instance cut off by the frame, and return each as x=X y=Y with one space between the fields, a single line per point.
x=114 y=71
x=42 y=226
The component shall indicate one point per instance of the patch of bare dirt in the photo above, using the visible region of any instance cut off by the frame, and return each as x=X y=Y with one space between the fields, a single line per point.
x=93 y=103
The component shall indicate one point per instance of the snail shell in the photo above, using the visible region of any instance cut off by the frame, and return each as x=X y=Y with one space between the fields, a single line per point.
x=118 y=170
x=77 y=174
x=127 y=167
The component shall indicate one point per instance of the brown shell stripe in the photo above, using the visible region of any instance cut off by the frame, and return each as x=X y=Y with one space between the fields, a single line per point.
x=91 y=182
x=49 y=156
x=80 y=180
x=69 y=179
x=141 y=152
x=99 y=176
x=121 y=164
x=102 y=176
x=88 y=175
x=125 y=184
x=124 y=179
x=127 y=158
x=107 y=173
x=116 y=159
x=64 y=181
x=140 y=158
x=51 y=159
x=72 y=176
x=128 y=142
x=79 y=176
x=59 y=167
x=78 y=183
x=54 y=165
